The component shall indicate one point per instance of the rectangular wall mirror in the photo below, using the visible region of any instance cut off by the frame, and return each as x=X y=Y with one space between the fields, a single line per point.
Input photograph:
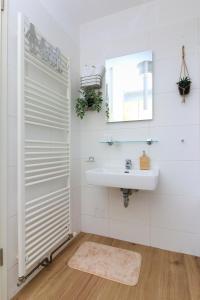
x=129 y=87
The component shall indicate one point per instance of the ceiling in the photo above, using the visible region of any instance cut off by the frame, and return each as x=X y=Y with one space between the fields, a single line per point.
x=82 y=11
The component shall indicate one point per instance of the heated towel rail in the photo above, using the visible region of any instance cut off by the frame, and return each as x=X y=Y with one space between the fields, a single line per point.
x=43 y=147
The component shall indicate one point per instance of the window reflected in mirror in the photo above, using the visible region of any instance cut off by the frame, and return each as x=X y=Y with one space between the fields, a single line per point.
x=129 y=87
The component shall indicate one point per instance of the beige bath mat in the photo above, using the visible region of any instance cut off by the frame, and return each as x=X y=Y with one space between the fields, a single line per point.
x=108 y=262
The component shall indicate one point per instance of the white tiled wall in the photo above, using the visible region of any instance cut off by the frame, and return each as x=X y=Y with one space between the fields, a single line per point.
x=52 y=31
x=168 y=218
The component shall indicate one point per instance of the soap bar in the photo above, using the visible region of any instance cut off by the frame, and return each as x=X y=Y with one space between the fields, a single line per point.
x=144 y=162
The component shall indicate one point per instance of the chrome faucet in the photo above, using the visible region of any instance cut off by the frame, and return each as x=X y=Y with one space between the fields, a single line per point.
x=128 y=165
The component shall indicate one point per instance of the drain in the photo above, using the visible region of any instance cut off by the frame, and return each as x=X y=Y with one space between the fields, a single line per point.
x=126 y=193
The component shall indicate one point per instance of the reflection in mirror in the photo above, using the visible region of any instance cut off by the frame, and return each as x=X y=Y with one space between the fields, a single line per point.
x=129 y=87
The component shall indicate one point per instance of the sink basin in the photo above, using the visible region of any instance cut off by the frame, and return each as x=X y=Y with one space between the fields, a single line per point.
x=116 y=177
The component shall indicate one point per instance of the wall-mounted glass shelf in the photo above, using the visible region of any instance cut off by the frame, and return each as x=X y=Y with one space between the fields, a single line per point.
x=112 y=142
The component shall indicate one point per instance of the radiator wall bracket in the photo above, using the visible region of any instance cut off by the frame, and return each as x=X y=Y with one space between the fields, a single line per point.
x=47 y=260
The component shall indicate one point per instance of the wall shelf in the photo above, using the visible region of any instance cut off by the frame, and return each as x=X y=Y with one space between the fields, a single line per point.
x=112 y=142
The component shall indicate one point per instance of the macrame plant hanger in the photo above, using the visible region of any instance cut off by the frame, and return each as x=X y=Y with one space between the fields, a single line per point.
x=184 y=74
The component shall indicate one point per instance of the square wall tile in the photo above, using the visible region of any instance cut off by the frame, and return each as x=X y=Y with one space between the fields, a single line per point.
x=179 y=178
x=95 y=201
x=175 y=212
x=168 y=109
x=130 y=231
x=95 y=225
x=176 y=143
x=137 y=210
x=175 y=241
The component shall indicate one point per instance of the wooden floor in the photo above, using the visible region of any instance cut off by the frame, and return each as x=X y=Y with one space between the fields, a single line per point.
x=164 y=276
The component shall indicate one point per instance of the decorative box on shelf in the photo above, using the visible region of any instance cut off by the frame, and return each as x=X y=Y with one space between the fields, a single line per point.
x=91 y=77
x=93 y=81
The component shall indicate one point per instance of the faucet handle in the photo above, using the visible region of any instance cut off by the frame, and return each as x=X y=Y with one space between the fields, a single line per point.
x=128 y=164
x=128 y=161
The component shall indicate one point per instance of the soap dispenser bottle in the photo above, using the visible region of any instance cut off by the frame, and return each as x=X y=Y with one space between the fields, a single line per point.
x=144 y=162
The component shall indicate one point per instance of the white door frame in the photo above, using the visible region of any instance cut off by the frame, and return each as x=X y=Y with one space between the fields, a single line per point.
x=3 y=148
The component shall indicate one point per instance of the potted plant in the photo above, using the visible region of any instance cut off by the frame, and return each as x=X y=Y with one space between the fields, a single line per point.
x=184 y=82
x=90 y=99
x=184 y=85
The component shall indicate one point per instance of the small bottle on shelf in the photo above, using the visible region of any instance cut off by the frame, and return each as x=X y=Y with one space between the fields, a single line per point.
x=144 y=162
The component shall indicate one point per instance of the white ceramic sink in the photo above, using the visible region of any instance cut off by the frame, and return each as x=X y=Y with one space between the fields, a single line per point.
x=116 y=177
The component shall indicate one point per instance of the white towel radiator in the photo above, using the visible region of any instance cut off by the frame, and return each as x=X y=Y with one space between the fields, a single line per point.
x=43 y=147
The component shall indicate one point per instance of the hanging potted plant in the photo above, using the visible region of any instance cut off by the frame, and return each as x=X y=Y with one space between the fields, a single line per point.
x=184 y=82
x=90 y=99
x=184 y=85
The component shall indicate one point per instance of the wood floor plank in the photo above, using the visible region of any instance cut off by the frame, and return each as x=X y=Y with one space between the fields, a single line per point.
x=192 y=265
x=179 y=285
x=164 y=276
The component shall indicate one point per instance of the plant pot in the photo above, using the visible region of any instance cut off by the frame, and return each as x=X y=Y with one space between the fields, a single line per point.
x=184 y=90
x=90 y=108
x=90 y=103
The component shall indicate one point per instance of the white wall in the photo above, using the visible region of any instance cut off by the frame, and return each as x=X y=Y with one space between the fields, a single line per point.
x=169 y=217
x=70 y=47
